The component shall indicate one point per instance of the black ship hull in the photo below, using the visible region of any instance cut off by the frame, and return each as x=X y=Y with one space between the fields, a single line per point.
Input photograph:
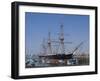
x=59 y=56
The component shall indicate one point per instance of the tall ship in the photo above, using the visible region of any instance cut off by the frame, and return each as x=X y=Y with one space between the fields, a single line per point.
x=58 y=56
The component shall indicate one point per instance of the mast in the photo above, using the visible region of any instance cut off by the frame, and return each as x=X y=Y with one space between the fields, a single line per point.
x=44 y=47
x=61 y=38
x=49 y=44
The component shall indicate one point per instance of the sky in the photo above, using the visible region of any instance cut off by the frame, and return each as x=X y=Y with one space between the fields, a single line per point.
x=37 y=26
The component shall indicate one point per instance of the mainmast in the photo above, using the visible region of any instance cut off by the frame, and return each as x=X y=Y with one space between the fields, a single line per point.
x=61 y=38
